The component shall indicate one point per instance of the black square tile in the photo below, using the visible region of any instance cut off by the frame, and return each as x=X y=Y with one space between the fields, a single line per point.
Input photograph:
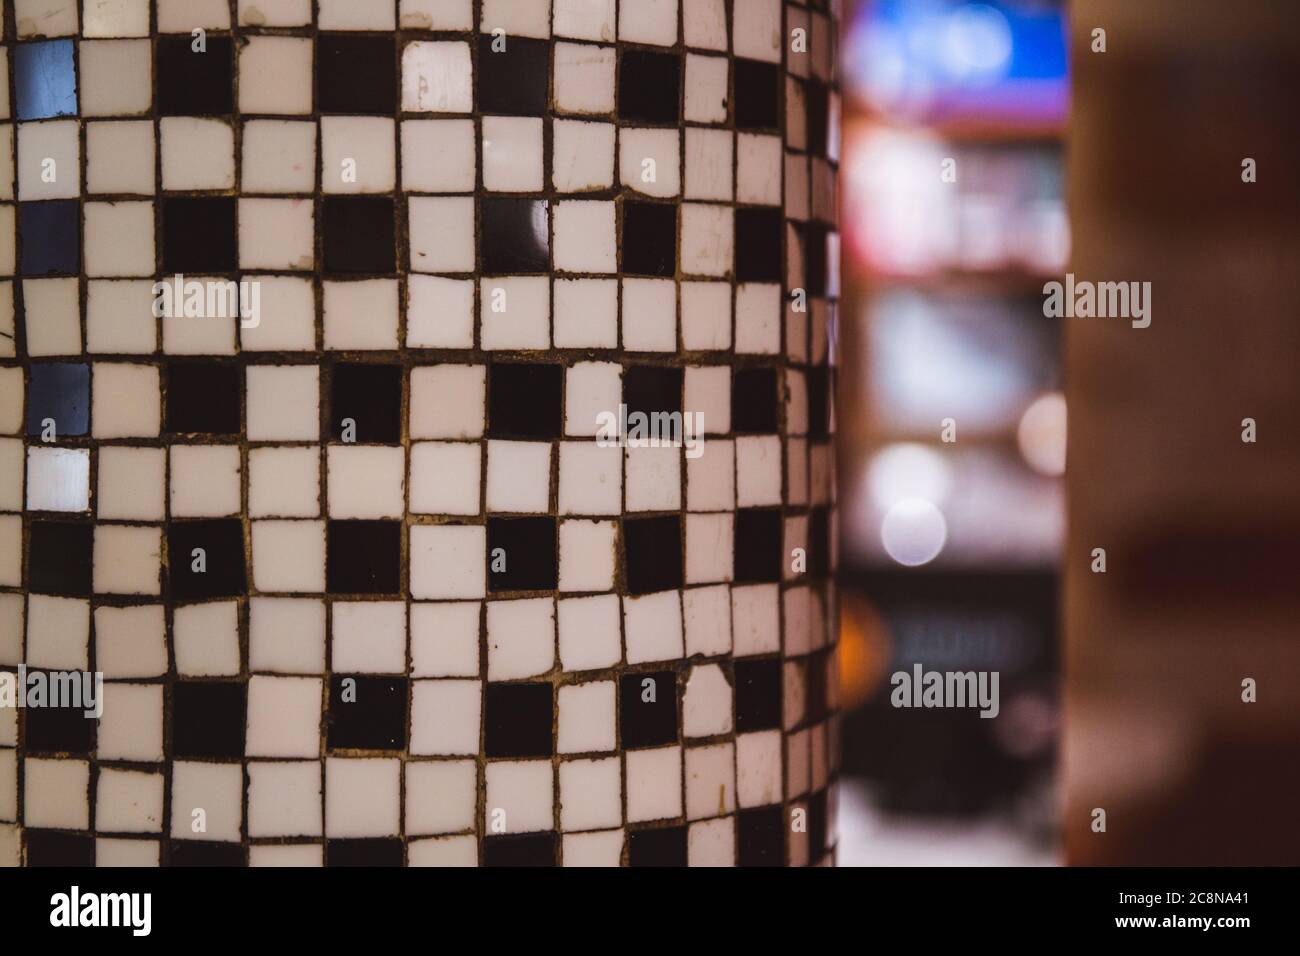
x=356 y=73
x=815 y=259
x=191 y=82
x=758 y=694
x=51 y=234
x=814 y=694
x=199 y=234
x=665 y=846
x=58 y=392
x=366 y=403
x=652 y=388
x=527 y=549
x=758 y=546
x=819 y=394
x=754 y=400
x=518 y=719
x=58 y=729
x=372 y=852
x=514 y=81
x=649 y=86
x=647 y=709
x=367 y=713
x=358 y=235
x=817 y=112
x=514 y=235
x=204 y=853
x=57 y=848
x=524 y=401
x=208 y=719
x=760 y=837
x=649 y=246
x=652 y=554
x=59 y=558
x=817 y=828
x=363 y=557
x=819 y=542
x=218 y=571
x=758 y=245
x=756 y=90
x=202 y=397
x=528 y=849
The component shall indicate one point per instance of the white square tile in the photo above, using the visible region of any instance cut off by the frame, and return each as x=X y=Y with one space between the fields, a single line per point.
x=586 y=556
x=709 y=548
x=131 y=483
x=366 y=481
x=591 y=794
x=130 y=641
x=286 y=635
x=708 y=164
x=119 y=317
x=287 y=855
x=441 y=233
x=438 y=156
x=525 y=18
x=649 y=161
x=648 y=21
x=758 y=319
x=284 y=717
x=758 y=169
x=115 y=18
x=446 y=477
x=584 y=237
x=706 y=316
x=706 y=89
x=131 y=727
x=215 y=789
x=584 y=78
x=49 y=160
x=12 y=468
x=284 y=483
x=120 y=157
x=520 y=638
x=206 y=639
x=58 y=632
x=707 y=392
x=279 y=157
x=652 y=627
x=274 y=13
x=283 y=402
x=56 y=794
x=448 y=401
x=706 y=702
x=118 y=239
x=584 y=19
x=351 y=15
x=758 y=768
x=589 y=640
x=358 y=154
x=436 y=15
x=512 y=154
x=369 y=637
x=276 y=234
x=586 y=313
x=439 y=312
x=704 y=24
x=603 y=848
x=446 y=716
x=361 y=314
x=116 y=77
x=52 y=317
x=362 y=797
x=128 y=801
x=520 y=796
x=712 y=842
x=58 y=479
x=448 y=562
x=654 y=784
x=707 y=240
x=582 y=156
x=284 y=799
x=205 y=481
x=441 y=796
x=452 y=851
x=289 y=307
x=591 y=479
x=515 y=313
x=275 y=75
x=127 y=560
x=654 y=479
x=649 y=315
x=758 y=470
x=445 y=639
x=710 y=781
x=289 y=556
x=755 y=615
x=757 y=34
x=518 y=476
x=182 y=16
x=437 y=77
x=590 y=389
x=196 y=153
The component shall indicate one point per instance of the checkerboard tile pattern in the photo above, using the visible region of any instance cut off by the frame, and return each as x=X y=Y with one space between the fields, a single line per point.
x=363 y=585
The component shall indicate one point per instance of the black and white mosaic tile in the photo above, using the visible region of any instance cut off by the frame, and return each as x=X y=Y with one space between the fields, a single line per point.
x=326 y=335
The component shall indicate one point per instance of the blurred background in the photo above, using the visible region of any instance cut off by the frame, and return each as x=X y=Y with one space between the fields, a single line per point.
x=990 y=147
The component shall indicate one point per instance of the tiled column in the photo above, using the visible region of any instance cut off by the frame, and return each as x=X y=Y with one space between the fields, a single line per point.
x=340 y=522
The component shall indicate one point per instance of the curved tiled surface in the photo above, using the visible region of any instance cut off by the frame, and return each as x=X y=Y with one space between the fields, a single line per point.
x=362 y=580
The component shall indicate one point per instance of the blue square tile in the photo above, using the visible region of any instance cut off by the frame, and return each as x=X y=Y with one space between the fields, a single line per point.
x=51 y=234
x=45 y=83
x=58 y=391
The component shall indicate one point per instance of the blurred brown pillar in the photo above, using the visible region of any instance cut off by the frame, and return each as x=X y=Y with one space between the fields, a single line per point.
x=1201 y=530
